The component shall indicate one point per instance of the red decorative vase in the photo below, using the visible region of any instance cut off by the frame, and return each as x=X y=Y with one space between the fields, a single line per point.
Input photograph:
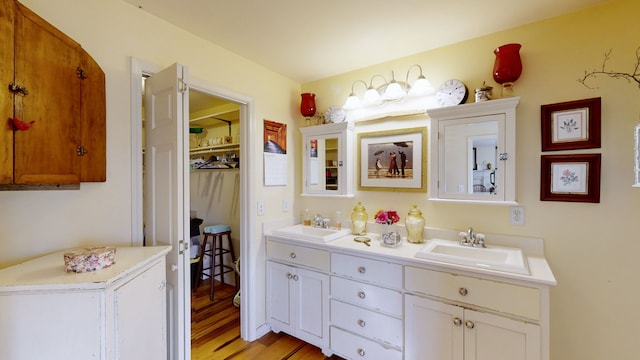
x=508 y=66
x=308 y=104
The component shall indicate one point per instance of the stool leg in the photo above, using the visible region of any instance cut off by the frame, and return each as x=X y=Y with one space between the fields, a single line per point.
x=233 y=260
x=214 y=246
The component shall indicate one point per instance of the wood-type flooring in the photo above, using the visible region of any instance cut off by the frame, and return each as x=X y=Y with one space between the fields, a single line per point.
x=215 y=332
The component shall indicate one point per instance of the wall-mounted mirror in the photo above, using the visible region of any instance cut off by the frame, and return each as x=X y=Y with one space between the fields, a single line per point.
x=473 y=152
x=327 y=160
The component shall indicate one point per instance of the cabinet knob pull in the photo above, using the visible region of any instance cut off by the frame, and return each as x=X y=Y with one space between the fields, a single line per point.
x=362 y=269
x=463 y=291
x=361 y=294
x=289 y=276
x=295 y=277
x=457 y=321
x=469 y=324
x=361 y=323
x=293 y=255
x=361 y=352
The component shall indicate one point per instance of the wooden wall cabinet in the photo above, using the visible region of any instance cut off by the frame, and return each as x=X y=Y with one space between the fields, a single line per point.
x=47 y=78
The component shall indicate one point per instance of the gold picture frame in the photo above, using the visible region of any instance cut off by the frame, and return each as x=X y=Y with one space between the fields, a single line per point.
x=394 y=160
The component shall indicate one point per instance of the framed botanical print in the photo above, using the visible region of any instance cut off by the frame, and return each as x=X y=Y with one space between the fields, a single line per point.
x=571 y=125
x=573 y=178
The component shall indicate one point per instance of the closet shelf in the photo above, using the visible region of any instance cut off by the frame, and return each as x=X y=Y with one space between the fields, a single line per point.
x=214 y=149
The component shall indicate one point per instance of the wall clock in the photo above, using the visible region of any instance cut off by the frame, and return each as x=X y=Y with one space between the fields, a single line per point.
x=452 y=92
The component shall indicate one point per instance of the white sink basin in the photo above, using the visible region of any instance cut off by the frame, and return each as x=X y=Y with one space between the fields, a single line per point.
x=498 y=258
x=311 y=233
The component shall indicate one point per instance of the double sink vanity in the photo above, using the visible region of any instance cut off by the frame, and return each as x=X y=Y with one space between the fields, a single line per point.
x=433 y=301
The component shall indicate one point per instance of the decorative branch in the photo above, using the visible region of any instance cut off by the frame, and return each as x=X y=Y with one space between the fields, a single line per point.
x=634 y=75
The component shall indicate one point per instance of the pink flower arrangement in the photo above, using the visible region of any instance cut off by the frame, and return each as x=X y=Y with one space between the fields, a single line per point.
x=386 y=217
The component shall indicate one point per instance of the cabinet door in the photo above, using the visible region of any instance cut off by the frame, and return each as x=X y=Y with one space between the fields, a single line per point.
x=279 y=297
x=6 y=98
x=46 y=63
x=433 y=330
x=312 y=306
x=143 y=298
x=322 y=159
x=493 y=337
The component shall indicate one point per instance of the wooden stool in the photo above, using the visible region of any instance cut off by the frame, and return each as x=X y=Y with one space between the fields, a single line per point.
x=216 y=252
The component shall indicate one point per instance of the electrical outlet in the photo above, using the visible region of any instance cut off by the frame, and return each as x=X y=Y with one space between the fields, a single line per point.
x=516 y=215
x=285 y=205
x=261 y=208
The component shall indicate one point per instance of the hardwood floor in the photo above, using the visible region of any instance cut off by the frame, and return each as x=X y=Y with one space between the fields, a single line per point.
x=215 y=332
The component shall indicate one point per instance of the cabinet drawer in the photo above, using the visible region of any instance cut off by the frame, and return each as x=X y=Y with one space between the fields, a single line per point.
x=298 y=255
x=376 y=326
x=504 y=297
x=362 y=269
x=366 y=295
x=352 y=346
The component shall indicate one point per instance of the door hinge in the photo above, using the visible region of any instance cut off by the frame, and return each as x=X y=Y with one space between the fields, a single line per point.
x=81 y=74
x=183 y=87
x=18 y=89
x=81 y=151
x=503 y=156
x=183 y=246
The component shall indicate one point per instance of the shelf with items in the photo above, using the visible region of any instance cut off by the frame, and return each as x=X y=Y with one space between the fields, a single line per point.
x=212 y=149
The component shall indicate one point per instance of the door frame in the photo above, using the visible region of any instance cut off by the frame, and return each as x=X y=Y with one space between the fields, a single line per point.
x=140 y=68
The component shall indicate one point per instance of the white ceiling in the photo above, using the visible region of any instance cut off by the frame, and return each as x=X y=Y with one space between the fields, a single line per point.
x=310 y=40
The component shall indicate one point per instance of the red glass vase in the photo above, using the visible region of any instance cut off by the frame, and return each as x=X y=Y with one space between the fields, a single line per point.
x=508 y=66
x=308 y=104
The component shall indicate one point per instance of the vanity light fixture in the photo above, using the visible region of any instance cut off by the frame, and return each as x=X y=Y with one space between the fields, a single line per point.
x=421 y=86
x=389 y=91
x=353 y=101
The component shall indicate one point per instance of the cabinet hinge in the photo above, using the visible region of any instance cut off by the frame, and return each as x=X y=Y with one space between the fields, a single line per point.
x=81 y=151
x=81 y=74
x=183 y=87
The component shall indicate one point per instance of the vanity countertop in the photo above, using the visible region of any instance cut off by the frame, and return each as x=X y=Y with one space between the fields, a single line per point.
x=540 y=272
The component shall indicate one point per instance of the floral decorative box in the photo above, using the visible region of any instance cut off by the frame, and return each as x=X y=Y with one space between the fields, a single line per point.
x=89 y=259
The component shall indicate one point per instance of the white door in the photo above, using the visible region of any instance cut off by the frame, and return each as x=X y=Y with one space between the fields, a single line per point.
x=166 y=195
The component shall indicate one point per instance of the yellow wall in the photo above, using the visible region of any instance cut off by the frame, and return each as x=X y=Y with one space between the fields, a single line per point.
x=33 y=223
x=592 y=248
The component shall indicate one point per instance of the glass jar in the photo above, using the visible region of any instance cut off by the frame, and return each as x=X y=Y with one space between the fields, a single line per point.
x=414 y=223
x=389 y=235
x=359 y=219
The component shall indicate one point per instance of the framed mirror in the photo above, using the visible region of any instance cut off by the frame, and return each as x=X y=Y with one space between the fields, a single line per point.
x=473 y=152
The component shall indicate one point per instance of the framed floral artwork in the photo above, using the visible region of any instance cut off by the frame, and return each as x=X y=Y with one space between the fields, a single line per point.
x=571 y=125
x=573 y=178
x=393 y=160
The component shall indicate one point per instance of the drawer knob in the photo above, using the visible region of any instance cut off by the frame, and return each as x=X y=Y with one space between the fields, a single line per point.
x=361 y=352
x=463 y=291
x=469 y=324
x=457 y=321
x=361 y=294
x=362 y=270
x=361 y=323
x=292 y=255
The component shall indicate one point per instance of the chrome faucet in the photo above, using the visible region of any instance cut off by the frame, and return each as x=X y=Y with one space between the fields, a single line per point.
x=470 y=238
x=317 y=221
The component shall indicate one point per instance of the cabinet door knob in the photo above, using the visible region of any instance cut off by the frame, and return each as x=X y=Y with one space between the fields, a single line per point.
x=292 y=255
x=295 y=277
x=361 y=294
x=289 y=276
x=360 y=352
x=463 y=291
x=457 y=321
x=469 y=324
x=361 y=323
x=362 y=269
